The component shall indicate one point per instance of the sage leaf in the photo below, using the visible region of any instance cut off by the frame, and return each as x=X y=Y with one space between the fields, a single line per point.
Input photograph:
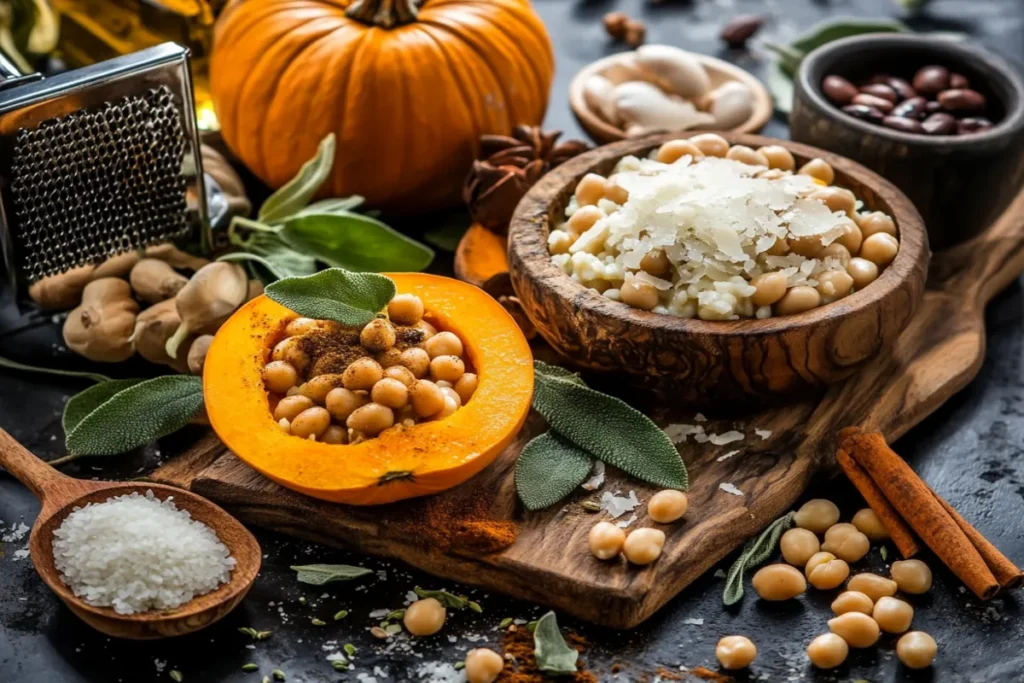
x=244 y=256
x=607 y=428
x=335 y=294
x=88 y=400
x=283 y=258
x=319 y=574
x=355 y=242
x=755 y=551
x=336 y=205
x=550 y=650
x=449 y=600
x=549 y=468
x=844 y=27
x=294 y=195
x=137 y=415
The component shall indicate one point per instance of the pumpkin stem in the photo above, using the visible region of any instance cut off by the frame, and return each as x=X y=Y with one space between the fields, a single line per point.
x=383 y=13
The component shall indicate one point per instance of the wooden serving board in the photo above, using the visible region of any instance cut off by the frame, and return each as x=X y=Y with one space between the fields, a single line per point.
x=939 y=352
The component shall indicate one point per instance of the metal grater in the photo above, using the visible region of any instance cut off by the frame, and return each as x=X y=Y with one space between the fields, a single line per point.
x=96 y=162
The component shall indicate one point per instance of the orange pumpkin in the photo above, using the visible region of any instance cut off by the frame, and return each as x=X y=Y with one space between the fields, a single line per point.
x=403 y=461
x=408 y=92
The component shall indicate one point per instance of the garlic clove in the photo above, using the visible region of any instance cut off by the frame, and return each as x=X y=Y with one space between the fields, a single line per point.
x=597 y=94
x=731 y=105
x=623 y=69
x=641 y=103
x=677 y=71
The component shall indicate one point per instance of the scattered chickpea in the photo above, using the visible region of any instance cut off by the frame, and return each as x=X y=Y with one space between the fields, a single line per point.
x=873 y=586
x=836 y=199
x=912 y=576
x=838 y=530
x=483 y=665
x=770 y=288
x=869 y=524
x=290 y=349
x=590 y=189
x=466 y=386
x=827 y=651
x=819 y=169
x=710 y=144
x=825 y=571
x=334 y=434
x=638 y=294
x=362 y=373
x=778 y=157
x=858 y=630
x=916 y=650
x=798 y=546
x=835 y=284
x=290 y=406
x=389 y=358
x=428 y=329
x=426 y=398
x=880 y=248
x=876 y=222
x=371 y=419
x=862 y=271
x=850 y=545
x=838 y=252
x=852 y=601
x=318 y=387
x=745 y=155
x=280 y=376
x=378 y=335
x=424 y=617
x=405 y=309
x=735 y=652
x=417 y=361
x=447 y=368
x=851 y=236
x=301 y=326
x=400 y=373
x=798 y=300
x=817 y=515
x=674 y=150
x=779 y=582
x=636 y=33
x=656 y=263
x=343 y=402
x=667 y=506
x=643 y=546
x=391 y=393
x=583 y=219
x=311 y=422
x=606 y=540
x=892 y=615
x=443 y=344
x=615 y=192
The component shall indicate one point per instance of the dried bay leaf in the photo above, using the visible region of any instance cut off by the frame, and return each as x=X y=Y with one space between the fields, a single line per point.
x=548 y=469
x=335 y=294
x=552 y=653
x=319 y=574
x=755 y=552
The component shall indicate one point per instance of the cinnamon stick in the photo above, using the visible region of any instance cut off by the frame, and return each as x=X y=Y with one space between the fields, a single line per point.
x=1006 y=572
x=899 y=532
x=919 y=508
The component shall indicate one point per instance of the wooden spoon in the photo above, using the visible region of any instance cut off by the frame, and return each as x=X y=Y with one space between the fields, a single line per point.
x=60 y=495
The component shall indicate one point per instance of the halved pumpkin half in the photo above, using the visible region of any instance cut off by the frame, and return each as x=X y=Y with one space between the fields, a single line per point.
x=402 y=462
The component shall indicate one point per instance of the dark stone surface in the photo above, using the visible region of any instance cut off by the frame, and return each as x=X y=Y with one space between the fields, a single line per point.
x=969 y=451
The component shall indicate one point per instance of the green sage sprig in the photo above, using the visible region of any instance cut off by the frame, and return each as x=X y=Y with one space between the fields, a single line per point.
x=755 y=552
x=449 y=600
x=552 y=653
x=320 y=574
x=335 y=294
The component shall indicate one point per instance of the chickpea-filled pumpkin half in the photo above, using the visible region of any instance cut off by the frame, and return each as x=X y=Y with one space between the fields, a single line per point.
x=413 y=401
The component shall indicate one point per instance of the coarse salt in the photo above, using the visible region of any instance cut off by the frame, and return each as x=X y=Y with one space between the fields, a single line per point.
x=616 y=505
x=726 y=456
x=728 y=437
x=729 y=488
x=765 y=434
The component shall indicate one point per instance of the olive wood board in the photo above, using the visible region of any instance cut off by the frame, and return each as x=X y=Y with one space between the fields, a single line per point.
x=940 y=351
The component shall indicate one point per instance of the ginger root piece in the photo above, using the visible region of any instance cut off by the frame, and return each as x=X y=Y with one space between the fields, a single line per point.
x=153 y=327
x=62 y=291
x=118 y=265
x=174 y=257
x=154 y=280
x=209 y=298
x=197 y=354
x=101 y=328
x=255 y=289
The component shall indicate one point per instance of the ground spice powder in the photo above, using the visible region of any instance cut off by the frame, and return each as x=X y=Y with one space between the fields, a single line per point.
x=523 y=668
x=455 y=521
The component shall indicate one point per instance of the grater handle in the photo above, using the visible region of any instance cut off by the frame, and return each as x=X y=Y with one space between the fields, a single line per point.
x=7 y=68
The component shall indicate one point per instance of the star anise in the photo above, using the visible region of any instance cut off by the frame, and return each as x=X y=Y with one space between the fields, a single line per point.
x=508 y=167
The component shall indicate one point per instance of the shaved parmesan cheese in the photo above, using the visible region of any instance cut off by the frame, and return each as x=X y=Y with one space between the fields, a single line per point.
x=765 y=434
x=728 y=437
x=729 y=488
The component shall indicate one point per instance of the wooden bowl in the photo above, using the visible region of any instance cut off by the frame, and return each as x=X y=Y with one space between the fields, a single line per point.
x=700 y=361
x=960 y=184
x=718 y=71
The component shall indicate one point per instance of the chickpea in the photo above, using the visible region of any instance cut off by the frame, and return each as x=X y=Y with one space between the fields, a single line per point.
x=735 y=652
x=424 y=617
x=850 y=547
x=400 y=373
x=710 y=144
x=798 y=299
x=343 y=402
x=869 y=524
x=583 y=219
x=656 y=263
x=417 y=361
x=280 y=376
x=912 y=576
x=873 y=586
x=391 y=393
x=614 y=192
x=301 y=326
x=827 y=651
x=818 y=169
x=858 y=630
x=638 y=294
x=335 y=434
x=643 y=546
x=876 y=222
x=892 y=615
x=371 y=419
x=318 y=387
x=606 y=540
x=778 y=157
x=590 y=189
x=559 y=241
x=405 y=309
x=450 y=406
x=772 y=174
x=836 y=199
x=447 y=368
x=808 y=247
x=798 y=546
x=745 y=155
x=916 y=650
x=674 y=150
x=851 y=236
x=290 y=349
x=426 y=398
x=835 y=284
x=466 y=386
x=378 y=335
x=667 y=506
x=862 y=271
x=362 y=374
x=779 y=248
x=452 y=394
x=836 y=251
x=444 y=344
x=311 y=422
x=817 y=515
x=290 y=406
x=880 y=249
x=389 y=358
x=285 y=425
x=770 y=288
x=779 y=582
x=483 y=665
x=825 y=571
x=428 y=329
x=852 y=601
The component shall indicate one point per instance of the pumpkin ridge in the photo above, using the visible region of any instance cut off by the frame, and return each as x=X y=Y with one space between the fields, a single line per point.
x=461 y=71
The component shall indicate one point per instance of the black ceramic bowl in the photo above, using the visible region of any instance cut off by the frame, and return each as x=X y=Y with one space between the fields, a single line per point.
x=958 y=183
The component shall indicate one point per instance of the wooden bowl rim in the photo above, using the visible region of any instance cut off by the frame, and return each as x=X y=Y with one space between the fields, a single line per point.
x=590 y=121
x=913 y=242
x=808 y=83
x=241 y=579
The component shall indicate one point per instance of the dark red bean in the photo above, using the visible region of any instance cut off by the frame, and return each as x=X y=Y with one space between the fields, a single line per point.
x=976 y=124
x=879 y=79
x=931 y=80
x=912 y=108
x=962 y=101
x=864 y=113
x=903 y=90
x=932 y=107
x=879 y=90
x=939 y=123
x=741 y=29
x=884 y=106
x=839 y=90
x=903 y=124
x=958 y=81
